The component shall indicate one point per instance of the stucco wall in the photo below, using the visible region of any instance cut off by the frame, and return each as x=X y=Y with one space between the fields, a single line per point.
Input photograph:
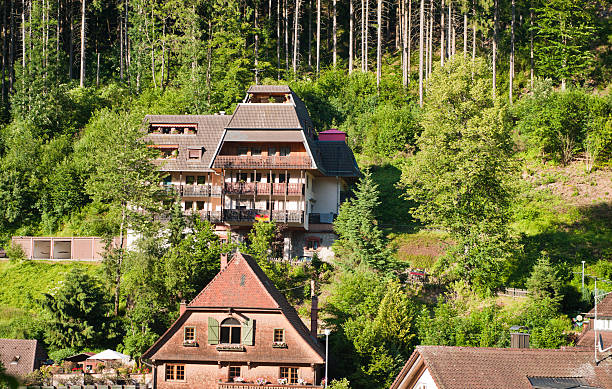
x=325 y=192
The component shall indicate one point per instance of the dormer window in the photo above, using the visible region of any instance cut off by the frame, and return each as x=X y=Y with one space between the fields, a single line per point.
x=195 y=153
x=167 y=151
x=173 y=129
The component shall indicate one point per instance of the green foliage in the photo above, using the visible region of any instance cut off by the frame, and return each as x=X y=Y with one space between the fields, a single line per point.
x=389 y=130
x=559 y=123
x=564 y=30
x=78 y=313
x=359 y=238
x=15 y=252
x=339 y=384
x=373 y=319
x=543 y=282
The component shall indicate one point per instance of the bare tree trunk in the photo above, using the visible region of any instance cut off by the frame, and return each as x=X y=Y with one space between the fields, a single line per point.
x=367 y=25
x=310 y=34
x=163 y=57
x=334 y=34
x=449 y=33
x=379 y=45
x=11 y=49
x=495 y=47
x=442 y=27
x=286 y=4
x=98 y=69
x=278 y=39
x=256 y=44
x=83 y=26
x=4 y=51
x=404 y=42
x=421 y=31
x=153 y=78
x=473 y=33
x=426 y=51
x=118 y=275
x=318 y=35
x=511 y=81
x=351 y=43
x=465 y=34
x=409 y=39
x=363 y=39
x=57 y=33
x=296 y=19
x=531 y=61
x=431 y=22
x=23 y=37
x=121 y=44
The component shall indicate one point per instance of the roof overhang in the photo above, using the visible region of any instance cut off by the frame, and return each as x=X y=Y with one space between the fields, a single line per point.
x=263 y=135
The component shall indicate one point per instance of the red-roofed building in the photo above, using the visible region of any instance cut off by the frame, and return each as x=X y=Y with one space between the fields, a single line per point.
x=446 y=367
x=239 y=328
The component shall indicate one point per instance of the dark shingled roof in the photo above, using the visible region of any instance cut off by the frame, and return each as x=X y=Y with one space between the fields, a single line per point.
x=269 y=89
x=505 y=368
x=336 y=159
x=604 y=308
x=210 y=130
x=21 y=356
x=265 y=116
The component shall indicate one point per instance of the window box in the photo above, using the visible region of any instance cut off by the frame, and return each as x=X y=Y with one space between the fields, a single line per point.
x=190 y=343
x=279 y=344
x=230 y=347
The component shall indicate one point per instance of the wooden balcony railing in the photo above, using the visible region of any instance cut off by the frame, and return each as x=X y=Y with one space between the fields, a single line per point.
x=206 y=190
x=252 y=215
x=261 y=162
x=246 y=385
x=263 y=188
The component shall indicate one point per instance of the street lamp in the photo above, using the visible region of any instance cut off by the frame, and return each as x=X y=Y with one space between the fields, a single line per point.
x=327 y=332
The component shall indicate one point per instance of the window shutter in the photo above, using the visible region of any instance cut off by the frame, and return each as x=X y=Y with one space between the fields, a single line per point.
x=248 y=332
x=213 y=331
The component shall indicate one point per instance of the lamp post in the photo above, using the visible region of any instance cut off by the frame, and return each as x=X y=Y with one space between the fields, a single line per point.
x=327 y=332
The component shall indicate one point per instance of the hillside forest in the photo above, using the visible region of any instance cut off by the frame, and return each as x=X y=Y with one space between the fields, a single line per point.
x=483 y=129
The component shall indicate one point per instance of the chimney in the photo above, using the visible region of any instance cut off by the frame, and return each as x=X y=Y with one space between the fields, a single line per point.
x=519 y=337
x=223 y=260
x=314 y=310
x=183 y=307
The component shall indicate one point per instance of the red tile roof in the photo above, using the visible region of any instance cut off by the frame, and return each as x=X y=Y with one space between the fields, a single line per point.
x=21 y=356
x=480 y=368
x=604 y=308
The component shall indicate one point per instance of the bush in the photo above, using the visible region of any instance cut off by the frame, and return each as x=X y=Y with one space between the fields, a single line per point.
x=15 y=252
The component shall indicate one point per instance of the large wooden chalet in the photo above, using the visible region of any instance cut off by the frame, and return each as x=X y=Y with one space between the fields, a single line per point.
x=265 y=161
x=239 y=332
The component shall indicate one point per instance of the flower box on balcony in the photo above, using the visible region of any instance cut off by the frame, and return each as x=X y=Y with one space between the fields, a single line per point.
x=230 y=347
x=190 y=343
x=279 y=344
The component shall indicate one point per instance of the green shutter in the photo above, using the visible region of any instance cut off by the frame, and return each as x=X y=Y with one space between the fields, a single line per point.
x=213 y=331
x=248 y=332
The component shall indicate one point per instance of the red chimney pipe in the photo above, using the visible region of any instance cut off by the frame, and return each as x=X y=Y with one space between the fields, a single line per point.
x=183 y=307
x=223 y=260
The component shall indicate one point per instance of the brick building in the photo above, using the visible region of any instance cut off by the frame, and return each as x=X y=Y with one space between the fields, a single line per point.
x=238 y=330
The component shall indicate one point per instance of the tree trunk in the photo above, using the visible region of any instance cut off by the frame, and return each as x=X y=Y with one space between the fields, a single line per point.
x=426 y=51
x=531 y=61
x=431 y=22
x=163 y=57
x=421 y=31
x=256 y=44
x=310 y=34
x=449 y=32
x=70 y=44
x=379 y=45
x=286 y=19
x=296 y=19
x=409 y=39
x=465 y=34
x=23 y=37
x=334 y=33
x=351 y=42
x=83 y=26
x=442 y=27
x=511 y=80
x=11 y=49
x=4 y=51
x=318 y=35
x=121 y=44
x=278 y=39
x=363 y=39
x=119 y=264
x=495 y=46
x=98 y=69
x=367 y=25
x=473 y=33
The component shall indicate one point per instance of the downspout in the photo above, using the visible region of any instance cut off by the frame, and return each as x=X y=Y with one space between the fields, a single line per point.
x=154 y=371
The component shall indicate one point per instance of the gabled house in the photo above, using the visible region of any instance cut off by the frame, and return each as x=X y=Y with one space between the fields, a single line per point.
x=263 y=162
x=238 y=329
x=446 y=367
x=21 y=356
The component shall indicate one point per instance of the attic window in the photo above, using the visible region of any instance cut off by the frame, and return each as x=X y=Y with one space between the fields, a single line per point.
x=16 y=359
x=189 y=335
x=167 y=151
x=173 y=129
x=195 y=153
x=230 y=331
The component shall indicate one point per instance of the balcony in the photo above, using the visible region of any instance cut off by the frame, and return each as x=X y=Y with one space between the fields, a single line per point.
x=263 y=188
x=246 y=385
x=252 y=215
x=206 y=190
x=211 y=216
x=261 y=162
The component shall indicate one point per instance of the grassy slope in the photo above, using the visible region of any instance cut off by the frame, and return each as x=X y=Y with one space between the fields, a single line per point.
x=23 y=283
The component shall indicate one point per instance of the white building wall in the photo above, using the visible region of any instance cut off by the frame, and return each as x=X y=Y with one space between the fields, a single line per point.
x=426 y=381
x=603 y=324
x=326 y=192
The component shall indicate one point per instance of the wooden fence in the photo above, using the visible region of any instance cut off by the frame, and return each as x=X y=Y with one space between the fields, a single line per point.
x=513 y=292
